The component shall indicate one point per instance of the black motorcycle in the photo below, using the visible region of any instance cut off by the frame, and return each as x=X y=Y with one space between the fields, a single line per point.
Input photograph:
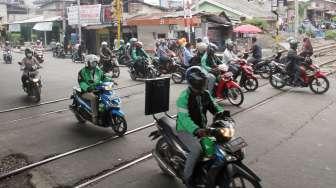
x=263 y=68
x=180 y=74
x=111 y=65
x=168 y=67
x=225 y=169
x=148 y=68
x=7 y=56
x=33 y=84
x=59 y=52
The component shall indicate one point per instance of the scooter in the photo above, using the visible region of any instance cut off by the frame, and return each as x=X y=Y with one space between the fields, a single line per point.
x=38 y=53
x=112 y=66
x=7 y=56
x=247 y=80
x=149 y=70
x=225 y=169
x=33 y=84
x=109 y=110
x=227 y=88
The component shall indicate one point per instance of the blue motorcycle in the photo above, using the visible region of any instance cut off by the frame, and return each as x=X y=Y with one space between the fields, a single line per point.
x=109 y=112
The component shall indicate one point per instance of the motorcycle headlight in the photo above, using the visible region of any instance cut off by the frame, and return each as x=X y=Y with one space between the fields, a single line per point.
x=227 y=132
x=35 y=79
x=108 y=87
x=115 y=103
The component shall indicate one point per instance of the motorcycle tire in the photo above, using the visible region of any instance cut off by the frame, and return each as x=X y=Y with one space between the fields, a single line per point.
x=178 y=77
x=37 y=94
x=115 y=72
x=162 y=144
x=232 y=97
x=242 y=178
x=251 y=84
x=316 y=80
x=119 y=125
x=274 y=82
x=266 y=72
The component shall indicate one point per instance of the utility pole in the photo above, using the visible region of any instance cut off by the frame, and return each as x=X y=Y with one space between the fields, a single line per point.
x=119 y=15
x=296 y=18
x=79 y=24
x=63 y=23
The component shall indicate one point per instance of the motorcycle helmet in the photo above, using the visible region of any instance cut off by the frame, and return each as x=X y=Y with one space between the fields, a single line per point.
x=196 y=79
x=7 y=43
x=38 y=42
x=293 y=44
x=133 y=40
x=229 y=45
x=29 y=52
x=91 y=61
x=138 y=44
x=201 y=47
x=122 y=42
x=104 y=44
x=212 y=48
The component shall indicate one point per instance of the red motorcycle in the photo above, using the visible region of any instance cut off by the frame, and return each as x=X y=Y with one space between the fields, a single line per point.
x=247 y=78
x=227 y=88
x=311 y=77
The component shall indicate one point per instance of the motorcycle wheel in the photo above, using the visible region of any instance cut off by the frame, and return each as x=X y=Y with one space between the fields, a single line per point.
x=251 y=84
x=275 y=82
x=177 y=77
x=115 y=72
x=266 y=72
x=119 y=125
x=37 y=94
x=162 y=145
x=317 y=83
x=235 y=96
x=240 y=180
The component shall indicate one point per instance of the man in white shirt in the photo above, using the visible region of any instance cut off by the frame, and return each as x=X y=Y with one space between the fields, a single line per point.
x=230 y=58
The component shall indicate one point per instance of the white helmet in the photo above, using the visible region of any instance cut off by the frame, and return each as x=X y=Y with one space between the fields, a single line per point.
x=201 y=47
x=104 y=43
x=91 y=61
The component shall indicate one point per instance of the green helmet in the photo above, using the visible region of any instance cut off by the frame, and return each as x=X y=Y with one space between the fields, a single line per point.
x=293 y=44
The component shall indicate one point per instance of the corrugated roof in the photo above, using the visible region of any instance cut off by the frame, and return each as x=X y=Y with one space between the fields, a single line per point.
x=38 y=19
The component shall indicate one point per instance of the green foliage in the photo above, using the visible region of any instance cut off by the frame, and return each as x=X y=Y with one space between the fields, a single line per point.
x=330 y=35
x=262 y=24
x=15 y=38
x=303 y=8
x=333 y=19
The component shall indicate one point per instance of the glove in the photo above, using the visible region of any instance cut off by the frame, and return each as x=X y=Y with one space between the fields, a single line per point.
x=201 y=132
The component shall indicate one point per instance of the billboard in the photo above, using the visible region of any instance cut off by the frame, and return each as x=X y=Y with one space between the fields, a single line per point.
x=89 y=15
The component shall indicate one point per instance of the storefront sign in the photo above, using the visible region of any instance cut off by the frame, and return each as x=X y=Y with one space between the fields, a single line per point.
x=89 y=15
x=14 y=28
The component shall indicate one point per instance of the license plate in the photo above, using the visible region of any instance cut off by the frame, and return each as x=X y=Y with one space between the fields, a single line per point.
x=236 y=144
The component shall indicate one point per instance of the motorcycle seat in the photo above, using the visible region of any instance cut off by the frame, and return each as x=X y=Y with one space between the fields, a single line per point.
x=169 y=127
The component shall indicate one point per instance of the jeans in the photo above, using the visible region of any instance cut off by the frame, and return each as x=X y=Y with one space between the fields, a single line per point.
x=94 y=103
x=194 y=152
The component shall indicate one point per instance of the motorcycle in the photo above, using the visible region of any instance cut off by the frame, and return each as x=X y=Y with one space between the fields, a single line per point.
x=7 y=56
x=263 y=68
x=166 y=67
x=311 y=76
x=59 y=52
x=109 y=112
x=179 y=75
x=112 y=66
x=228 y=88
x=247 y=80
x=149 y=69
x=33 y=84
x=38 y=53
x=225 y=169
x=76 y=58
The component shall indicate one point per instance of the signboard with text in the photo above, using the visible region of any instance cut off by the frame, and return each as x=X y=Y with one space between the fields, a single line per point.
x=89 y=14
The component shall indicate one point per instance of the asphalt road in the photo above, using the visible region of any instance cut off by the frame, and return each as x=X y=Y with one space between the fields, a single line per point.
x=291 y=135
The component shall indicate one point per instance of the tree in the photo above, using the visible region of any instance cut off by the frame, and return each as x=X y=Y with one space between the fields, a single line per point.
x=262 y=24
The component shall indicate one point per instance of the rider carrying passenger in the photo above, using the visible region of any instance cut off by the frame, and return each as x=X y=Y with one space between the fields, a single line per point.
x=230 y=58
x=139 y=56
x=256 y=52
x=193 y=104
x=88 y=78
x=105 y=54
x=28 y=64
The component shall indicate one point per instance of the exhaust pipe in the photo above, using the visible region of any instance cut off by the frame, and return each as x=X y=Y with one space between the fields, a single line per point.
x=163 y=164
x=177 y=75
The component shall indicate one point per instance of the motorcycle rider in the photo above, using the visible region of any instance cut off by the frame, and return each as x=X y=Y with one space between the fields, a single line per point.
x=200 y=51
x=105 y=56
x=139 y=56
x=193 y=104
x=7 y=46
x=28 y=64
x=294 y=61
x=88 y=78
x=164 y=53
x=307 y=48
x=187 y=55
x=209 y=64
x=230 y=58
x=256 y=52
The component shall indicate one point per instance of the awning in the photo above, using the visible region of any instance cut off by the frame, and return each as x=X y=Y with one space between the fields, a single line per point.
x=38 y=19
x=43 y=26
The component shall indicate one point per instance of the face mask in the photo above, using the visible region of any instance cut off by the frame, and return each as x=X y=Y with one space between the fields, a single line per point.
x=29 y=54
x=92 y=65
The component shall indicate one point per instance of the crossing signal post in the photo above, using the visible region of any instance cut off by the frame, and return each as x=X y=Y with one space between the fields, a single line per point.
x=116 y=11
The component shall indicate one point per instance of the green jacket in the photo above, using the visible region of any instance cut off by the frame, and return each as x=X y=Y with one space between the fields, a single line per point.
x=88 y=79
x=188 y=116
x=207 y=63
x=138 y=53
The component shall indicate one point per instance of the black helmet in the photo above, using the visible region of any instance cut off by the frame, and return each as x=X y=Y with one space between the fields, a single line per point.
x=212 y=48
x=293 y=44
x=196 y=78
x=7 y=43
x=28 y=51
